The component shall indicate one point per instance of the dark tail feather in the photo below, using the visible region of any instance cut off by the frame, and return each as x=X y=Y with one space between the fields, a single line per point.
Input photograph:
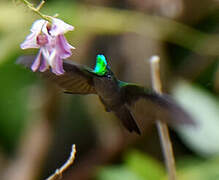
x=128 y=121
x=177 y=112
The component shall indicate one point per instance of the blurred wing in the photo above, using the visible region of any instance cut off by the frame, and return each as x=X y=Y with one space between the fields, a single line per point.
x=77 y=79
x=146 y=106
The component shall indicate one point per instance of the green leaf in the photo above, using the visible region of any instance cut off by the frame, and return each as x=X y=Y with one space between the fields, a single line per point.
x=199 y=170
x=117 y=173
x=144 y=166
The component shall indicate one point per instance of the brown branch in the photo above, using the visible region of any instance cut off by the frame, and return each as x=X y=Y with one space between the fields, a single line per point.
x=162 y=127
x=68 y=163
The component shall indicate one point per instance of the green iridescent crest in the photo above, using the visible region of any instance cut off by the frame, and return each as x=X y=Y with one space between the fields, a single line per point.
x=101 y=65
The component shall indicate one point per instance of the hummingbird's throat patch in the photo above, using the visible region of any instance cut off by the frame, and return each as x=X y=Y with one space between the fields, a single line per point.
x=101 y=65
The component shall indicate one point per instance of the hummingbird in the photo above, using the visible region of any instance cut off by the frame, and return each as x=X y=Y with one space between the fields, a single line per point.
x=130 y=102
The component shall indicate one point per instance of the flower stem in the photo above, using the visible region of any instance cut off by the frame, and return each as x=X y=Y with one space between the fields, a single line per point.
x=37 y=9
x=40 y=5
x=162 y=127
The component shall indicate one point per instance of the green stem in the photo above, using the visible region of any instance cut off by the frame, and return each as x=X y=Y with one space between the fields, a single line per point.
x=37 y=10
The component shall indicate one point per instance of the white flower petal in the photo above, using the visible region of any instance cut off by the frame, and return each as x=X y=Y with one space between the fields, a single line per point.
x=46 y=54
x=36 y=62
x=57 y=66
x=52 y=57
x=30 y=42
x=37 y=25
x=60 y=27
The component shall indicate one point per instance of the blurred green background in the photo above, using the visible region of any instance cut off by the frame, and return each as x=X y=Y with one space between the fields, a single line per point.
x=38 y=123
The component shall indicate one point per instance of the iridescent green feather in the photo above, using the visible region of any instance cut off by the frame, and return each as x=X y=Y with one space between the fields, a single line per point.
x=101 y=65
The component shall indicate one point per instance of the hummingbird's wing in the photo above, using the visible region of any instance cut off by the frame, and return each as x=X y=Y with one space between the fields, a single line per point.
x=146 y=106
x=127 y=119
x=77 y=79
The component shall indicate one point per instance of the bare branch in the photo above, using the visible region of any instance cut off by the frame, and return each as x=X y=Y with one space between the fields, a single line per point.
x=37 y=9
x=162 y=127
x=68 y=163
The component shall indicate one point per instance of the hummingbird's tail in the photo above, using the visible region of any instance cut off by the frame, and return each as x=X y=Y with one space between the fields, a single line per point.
x=127 y=119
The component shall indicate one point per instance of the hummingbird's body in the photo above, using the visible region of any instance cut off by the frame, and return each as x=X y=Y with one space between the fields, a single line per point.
x=129 y=102
x=108 y=91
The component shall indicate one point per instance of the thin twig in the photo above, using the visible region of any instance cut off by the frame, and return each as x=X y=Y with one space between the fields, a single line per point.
x=40 y=5
x=68 y=163
x=162 y=127
x=37 y=9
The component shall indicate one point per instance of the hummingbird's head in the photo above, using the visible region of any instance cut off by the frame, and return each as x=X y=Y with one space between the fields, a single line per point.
x=102 y=68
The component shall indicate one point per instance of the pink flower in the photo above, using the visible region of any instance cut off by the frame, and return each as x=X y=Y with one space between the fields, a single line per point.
x=52 y=43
